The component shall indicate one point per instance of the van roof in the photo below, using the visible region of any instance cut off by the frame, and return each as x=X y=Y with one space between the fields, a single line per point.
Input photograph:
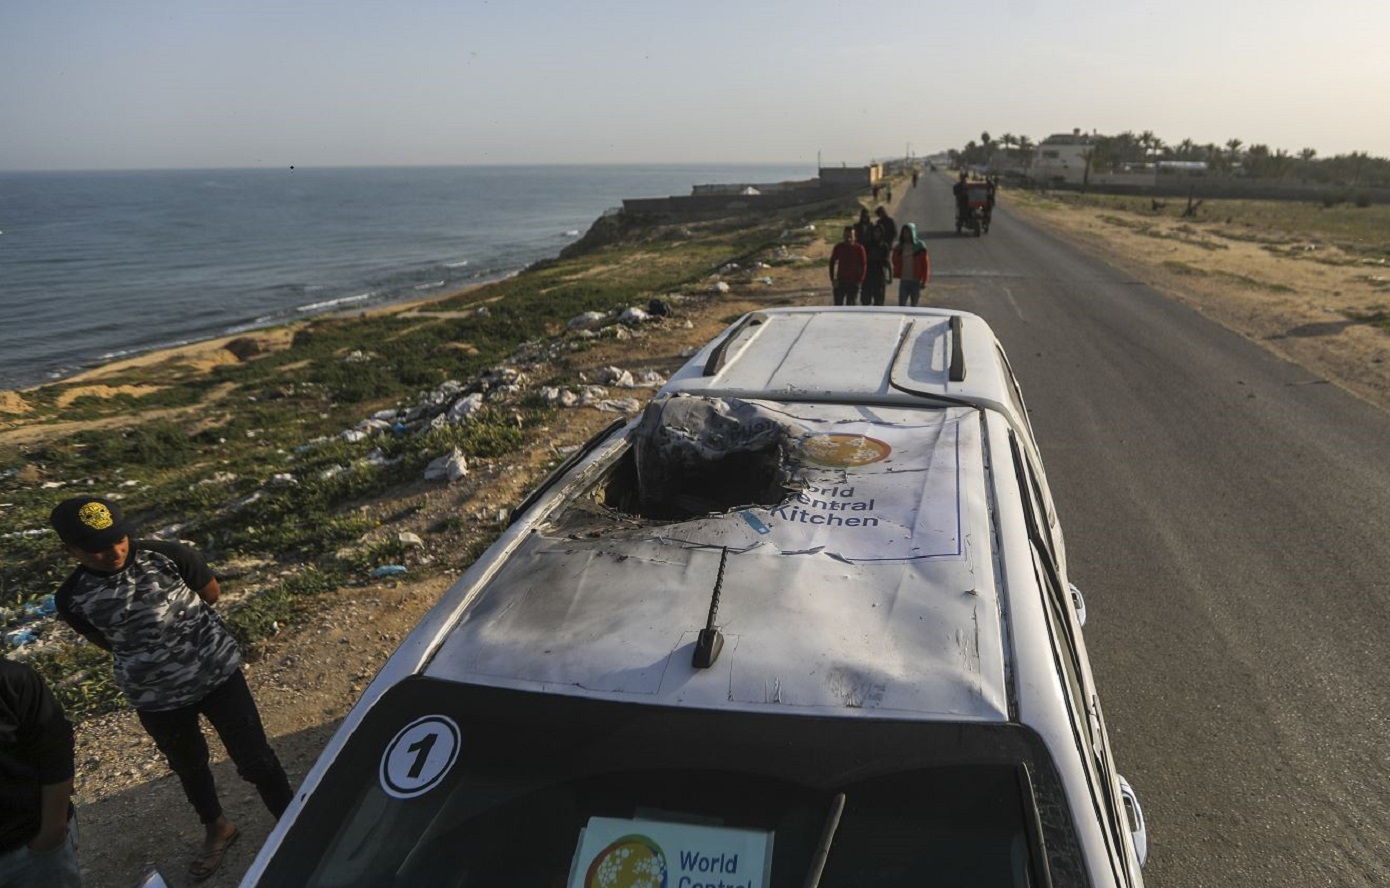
x=867 y=355
x=872 y=588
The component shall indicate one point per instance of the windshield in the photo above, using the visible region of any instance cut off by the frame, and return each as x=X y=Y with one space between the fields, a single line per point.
x=451 y=785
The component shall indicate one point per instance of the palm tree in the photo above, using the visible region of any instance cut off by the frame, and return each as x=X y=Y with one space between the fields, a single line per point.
x=1186 y=148
x=1257 y=160
x=1124 y=145
x=1024 y=150
x=1213 y=155
x=1146 y=141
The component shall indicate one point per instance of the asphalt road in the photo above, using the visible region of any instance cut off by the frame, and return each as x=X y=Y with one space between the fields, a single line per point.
x=1226 y=515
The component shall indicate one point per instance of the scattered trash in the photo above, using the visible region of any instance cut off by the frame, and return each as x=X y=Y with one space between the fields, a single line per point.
x=452 y=466
x=389 y=570
x=19 y=637
x=719 y=287
x=618 y=405
x=586 y=320
x=410 y=540
x=616 y=376
x=634 y=315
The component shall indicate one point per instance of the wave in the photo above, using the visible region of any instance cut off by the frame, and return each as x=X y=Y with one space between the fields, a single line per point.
x=432 y=285
x=460 y=264
x=328 y=304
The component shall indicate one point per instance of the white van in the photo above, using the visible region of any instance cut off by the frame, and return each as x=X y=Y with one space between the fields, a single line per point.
x=805 y=622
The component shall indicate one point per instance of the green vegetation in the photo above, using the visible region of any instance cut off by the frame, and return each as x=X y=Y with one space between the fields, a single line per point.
x=251 y=460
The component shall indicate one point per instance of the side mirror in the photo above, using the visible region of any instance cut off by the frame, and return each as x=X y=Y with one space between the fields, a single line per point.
x=1078 y=601
x=1138 y=832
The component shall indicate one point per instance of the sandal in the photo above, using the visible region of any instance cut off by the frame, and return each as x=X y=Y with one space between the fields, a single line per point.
x=210 y=859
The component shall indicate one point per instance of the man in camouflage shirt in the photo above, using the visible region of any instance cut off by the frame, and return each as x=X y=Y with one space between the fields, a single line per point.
x=148 y=602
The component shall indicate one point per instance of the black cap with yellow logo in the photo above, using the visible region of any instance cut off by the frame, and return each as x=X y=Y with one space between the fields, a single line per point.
x=90 y=523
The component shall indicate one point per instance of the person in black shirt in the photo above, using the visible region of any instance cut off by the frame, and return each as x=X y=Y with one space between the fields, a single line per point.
x=149 y=603
x=38 y=829
x=877 y=271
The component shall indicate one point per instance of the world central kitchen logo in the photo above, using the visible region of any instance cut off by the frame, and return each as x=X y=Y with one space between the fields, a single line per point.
x=636 y=861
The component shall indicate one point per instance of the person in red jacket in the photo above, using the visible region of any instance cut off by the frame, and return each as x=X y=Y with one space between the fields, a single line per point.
x=848 y=262
x=911 y=265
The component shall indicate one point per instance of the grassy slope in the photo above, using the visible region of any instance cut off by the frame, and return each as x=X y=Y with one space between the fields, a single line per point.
x=204 y=455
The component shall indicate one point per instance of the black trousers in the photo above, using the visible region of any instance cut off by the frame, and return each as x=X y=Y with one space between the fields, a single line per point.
x=232 y=712
x=846 y=294
x=871 y=293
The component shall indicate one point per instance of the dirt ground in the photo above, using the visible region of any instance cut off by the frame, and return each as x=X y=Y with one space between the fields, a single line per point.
x=1298 y=297
x=133 y=814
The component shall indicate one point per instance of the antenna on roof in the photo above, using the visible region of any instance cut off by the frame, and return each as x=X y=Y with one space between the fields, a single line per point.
x=711 y=642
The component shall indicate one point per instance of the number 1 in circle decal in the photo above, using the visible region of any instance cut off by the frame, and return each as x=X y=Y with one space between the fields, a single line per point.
x=419 y=756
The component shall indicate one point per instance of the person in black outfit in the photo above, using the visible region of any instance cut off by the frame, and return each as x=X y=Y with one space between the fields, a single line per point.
x=38 y=827
x=962 y=201
x=887 y=228
x=861 y=228
x=878 y=273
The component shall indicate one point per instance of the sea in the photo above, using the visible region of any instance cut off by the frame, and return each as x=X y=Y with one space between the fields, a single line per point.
x=100 y=266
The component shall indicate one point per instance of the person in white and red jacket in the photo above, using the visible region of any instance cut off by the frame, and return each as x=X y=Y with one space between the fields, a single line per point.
x=911 y=265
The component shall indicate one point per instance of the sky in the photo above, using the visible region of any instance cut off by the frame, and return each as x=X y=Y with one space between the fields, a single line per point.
x=137 y=84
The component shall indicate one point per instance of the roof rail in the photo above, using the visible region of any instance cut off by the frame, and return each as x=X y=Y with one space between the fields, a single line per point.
x=716 y=357
x=957 y=371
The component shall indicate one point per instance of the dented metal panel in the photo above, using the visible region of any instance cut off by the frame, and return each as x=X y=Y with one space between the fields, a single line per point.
x=862 y=591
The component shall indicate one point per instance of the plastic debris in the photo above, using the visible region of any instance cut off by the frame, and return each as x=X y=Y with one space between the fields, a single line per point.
x=452 y=466
x=389 y=570
x=616 y=376
x=586 y=320
x=20 y=637
x=464 y=408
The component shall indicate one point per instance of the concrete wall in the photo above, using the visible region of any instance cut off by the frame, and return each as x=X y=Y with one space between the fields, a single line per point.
x=716 y=204
x=714 y=200
x=848 y=178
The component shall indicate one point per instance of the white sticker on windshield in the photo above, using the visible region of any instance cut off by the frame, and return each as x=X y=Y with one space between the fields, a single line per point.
x=419 y=756
x=642 y=853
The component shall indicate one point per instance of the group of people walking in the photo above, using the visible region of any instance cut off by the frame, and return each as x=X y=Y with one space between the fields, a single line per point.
x=149 y=603
x=874 y=252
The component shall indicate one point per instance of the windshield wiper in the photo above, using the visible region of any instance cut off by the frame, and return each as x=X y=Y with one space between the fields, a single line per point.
x=832 y=823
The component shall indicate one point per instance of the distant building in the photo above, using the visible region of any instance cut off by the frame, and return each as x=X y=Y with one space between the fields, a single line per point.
x=1062 y=157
